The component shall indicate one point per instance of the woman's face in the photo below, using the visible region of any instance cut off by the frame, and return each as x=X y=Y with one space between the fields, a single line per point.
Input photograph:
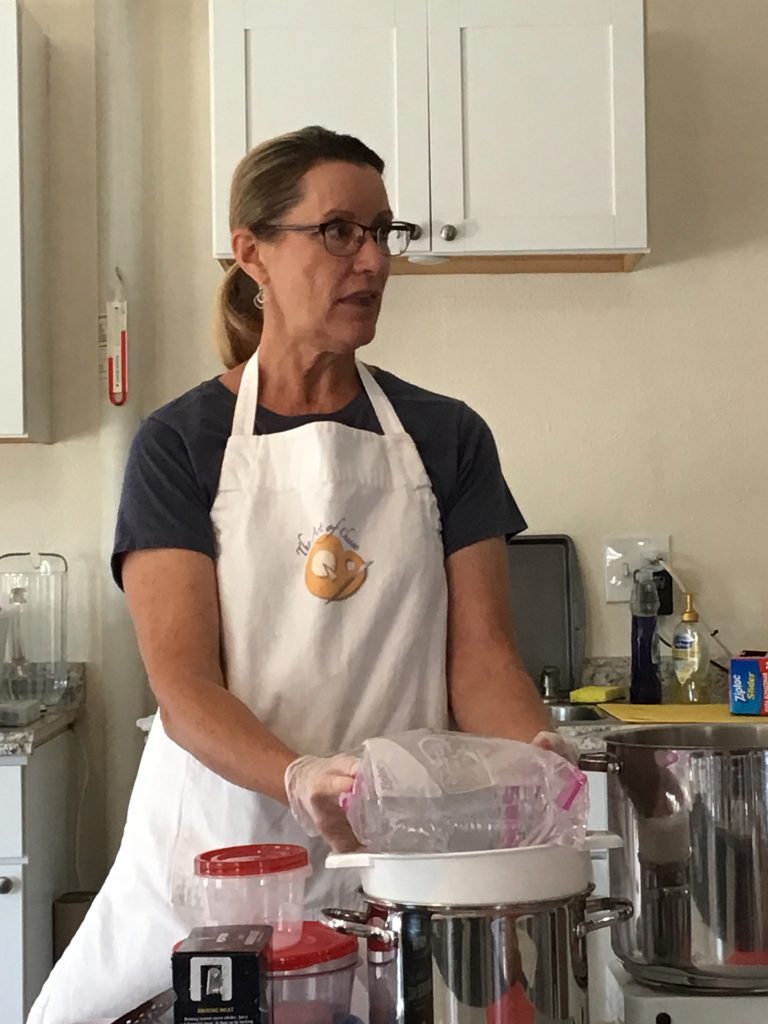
x=312 y=297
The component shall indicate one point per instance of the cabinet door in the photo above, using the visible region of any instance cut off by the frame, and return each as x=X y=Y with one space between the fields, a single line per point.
x=355 y=66
x=11 y=351
x=537 y=125
x=12 y=942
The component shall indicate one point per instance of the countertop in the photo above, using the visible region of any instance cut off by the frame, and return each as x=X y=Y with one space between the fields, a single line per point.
x=20 y=741
x=588 y=736
x=608 y=671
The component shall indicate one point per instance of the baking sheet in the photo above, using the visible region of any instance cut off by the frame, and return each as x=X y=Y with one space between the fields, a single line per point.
x=548 y=606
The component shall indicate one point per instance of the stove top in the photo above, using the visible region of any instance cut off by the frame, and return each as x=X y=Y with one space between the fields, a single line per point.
x=655 y=1006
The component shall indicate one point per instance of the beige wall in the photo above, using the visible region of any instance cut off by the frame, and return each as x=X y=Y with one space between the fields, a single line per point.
x=620 y=403
x=50 y=493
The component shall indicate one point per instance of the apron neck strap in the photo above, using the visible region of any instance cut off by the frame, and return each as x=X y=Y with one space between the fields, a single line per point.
x=244 y=422
x=385 y=414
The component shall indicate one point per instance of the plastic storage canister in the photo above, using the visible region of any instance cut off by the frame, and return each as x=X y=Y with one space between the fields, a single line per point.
x=311 y=982
x=261 y=884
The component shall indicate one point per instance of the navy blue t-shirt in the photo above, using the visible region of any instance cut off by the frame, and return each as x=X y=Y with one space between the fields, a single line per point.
x=174 y=465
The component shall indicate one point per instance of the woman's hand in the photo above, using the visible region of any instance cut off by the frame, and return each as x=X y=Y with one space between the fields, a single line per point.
x=314 y=787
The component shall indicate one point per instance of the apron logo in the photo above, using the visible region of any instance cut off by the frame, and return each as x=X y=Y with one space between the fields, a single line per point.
x=333 y=569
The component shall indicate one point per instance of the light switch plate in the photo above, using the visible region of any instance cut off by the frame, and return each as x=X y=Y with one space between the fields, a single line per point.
x=623 y=555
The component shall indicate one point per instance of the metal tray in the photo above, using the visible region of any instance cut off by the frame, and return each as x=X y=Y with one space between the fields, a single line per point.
x=548 y=605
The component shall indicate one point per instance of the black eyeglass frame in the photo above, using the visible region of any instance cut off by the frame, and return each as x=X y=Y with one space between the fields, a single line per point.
x=413 y=231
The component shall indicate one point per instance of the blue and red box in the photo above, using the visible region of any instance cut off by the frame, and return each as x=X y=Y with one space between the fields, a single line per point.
x=749 y=683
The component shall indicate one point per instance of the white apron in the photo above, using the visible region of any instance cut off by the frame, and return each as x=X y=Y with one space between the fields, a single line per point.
x=334 y=607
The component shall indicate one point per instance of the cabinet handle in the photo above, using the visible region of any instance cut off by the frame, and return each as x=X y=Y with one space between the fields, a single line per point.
x=448 y=233
x=416 y=233
x=6 y=886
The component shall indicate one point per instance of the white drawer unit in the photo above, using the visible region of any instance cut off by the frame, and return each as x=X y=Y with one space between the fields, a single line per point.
x=36 y=866
x=508 y=126
x=10 y=812
x=12 y=939
x=25 y=236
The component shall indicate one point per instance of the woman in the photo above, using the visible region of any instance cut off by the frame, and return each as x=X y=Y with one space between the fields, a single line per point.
x=312 y=554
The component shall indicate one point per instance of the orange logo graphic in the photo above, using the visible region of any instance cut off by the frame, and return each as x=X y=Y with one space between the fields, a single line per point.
x=332 y=571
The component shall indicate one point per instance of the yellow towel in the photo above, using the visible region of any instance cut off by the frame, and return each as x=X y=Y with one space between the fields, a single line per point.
x=676 y=713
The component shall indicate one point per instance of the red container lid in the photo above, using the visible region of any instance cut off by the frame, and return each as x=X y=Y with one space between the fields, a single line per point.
x=241 y=861
x=318 y=945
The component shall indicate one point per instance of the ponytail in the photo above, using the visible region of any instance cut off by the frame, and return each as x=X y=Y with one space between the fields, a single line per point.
x=238 y=321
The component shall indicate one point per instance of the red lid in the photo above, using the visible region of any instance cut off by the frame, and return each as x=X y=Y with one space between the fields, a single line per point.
x=240 y=861
x=318 y=945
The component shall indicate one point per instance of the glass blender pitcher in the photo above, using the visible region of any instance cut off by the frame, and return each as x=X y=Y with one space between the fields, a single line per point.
x=33 y=603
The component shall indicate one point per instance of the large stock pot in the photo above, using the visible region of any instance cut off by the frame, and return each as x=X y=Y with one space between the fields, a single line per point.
x=514 y=950
x=691 y=804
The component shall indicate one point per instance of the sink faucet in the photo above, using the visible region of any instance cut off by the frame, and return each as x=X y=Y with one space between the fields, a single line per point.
x=549 y=684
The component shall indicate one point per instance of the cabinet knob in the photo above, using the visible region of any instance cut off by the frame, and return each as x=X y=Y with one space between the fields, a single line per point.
x=6 y=885
x=448 y=232
x=416 y=233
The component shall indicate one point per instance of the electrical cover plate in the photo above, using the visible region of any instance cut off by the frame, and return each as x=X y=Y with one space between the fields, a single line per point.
x=623 y=555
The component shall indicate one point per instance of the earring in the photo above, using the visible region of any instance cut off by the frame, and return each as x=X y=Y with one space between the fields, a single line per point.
x=258 y=298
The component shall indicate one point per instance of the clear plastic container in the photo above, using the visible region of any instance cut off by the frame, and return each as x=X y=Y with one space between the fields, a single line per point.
x=443 y=792
x=33 y=594
x=262 y=884
x=311 y=983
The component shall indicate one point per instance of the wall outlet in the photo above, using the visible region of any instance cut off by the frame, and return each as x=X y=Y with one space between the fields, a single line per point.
x=623 y=555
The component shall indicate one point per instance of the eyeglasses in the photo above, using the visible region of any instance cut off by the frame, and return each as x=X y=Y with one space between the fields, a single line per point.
x=346 y=237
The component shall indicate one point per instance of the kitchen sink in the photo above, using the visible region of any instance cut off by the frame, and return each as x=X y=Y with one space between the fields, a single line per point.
x=563 y=713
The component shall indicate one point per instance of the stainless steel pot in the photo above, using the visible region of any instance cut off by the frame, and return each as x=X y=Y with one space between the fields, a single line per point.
x=479 y=965
x=691 y=804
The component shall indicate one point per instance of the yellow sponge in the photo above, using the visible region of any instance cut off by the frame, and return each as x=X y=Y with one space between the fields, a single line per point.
x=598 y=694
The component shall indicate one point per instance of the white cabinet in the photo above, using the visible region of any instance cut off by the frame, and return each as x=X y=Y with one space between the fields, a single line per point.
x=537 y=125
x=507 y=126
x=12 y=890
x=278 y=65
x=24 y=400
x=36 y=866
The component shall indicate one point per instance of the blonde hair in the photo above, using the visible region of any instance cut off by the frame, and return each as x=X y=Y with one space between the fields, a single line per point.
x=266 y=185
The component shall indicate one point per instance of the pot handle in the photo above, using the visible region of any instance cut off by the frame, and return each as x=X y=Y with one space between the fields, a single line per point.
x=349 y=860
x=615 y=910
x=598 y=839
x=352 y=922
x=597 y=761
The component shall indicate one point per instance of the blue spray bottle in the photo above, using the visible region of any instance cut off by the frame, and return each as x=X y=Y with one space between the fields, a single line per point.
x=645 y=685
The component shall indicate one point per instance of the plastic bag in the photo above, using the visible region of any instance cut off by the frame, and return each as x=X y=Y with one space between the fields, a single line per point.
x=449 y=792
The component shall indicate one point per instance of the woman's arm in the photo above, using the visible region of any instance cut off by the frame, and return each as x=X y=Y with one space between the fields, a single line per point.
x=490 y=692
x=173 y=600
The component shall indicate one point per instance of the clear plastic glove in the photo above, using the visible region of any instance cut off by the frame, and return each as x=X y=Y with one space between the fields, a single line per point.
x=558 y=744
x=314 y=787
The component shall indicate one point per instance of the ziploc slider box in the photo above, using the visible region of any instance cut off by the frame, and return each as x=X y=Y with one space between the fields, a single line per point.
x=749 y=683
x=218 y=975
